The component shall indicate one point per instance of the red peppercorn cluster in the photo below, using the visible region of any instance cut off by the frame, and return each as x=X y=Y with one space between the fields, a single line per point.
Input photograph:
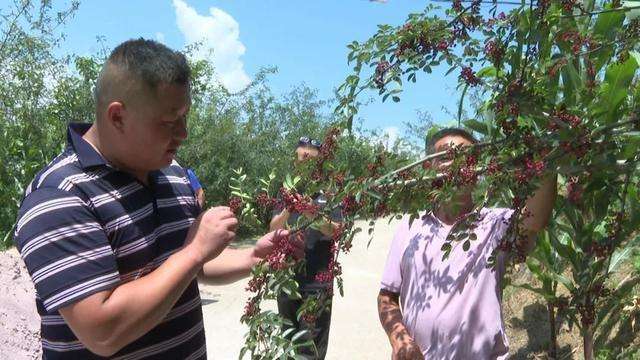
x=564 y=118
x=374 y=167
x=587 y=313
x=349 y=205
x=236 y=204
x=251 y=308
x=295 y=202
x=576 y=40
x=255 y=284
x=329 y=144
x=278 y=259
x=493 y=167
x=469 y=76
x=381 y=70
x=265 y=201
x=494 y=51
x=574 y=190
x=568 y=5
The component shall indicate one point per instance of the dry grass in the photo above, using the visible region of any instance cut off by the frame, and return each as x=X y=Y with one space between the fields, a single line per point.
x=527 y=324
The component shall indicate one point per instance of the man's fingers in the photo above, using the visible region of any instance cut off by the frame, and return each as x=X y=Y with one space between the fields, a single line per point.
x=230 y=223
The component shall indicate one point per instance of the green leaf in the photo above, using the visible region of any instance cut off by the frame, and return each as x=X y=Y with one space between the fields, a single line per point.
x=476 y=126
x=606 y=26
x=461 y=103
x=617 y=80
x=487 y=72
x=570 y=82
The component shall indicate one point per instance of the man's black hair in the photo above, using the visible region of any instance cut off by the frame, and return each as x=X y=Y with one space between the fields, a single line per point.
x=146 y=61
x=451 y=131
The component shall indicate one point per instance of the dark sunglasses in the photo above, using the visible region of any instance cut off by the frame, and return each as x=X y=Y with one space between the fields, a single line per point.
x=306 y=141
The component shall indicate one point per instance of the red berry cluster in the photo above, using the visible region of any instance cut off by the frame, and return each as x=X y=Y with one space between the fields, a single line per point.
x=553 y=70
x=563 y=117
x=381 y=210
x=576 y=40
x=457 y=5
x=295 y=202
x=543 y=6
x=578 y=147
x=338 y=233
x=381 y=69
x=442 y=45
x=574 y=190
x=587 y=314
x=407 y=174
x=493 y=167
x=309 y=318
x=469 y=76
x=278 y=259
x=494 y=51
x=530 y=169
x=333 y=268
x=568 y=5
x=375 y=166
x=265 y=201
x=236 y=204
x=599 y=250
x=252 y=307
x=255 y=284
x=349 y=205
x=329 y=144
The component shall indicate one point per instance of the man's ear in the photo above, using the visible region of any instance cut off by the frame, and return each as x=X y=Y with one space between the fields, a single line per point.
x=115 y=115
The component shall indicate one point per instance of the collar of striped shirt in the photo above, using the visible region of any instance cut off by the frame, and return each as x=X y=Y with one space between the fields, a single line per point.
x=87 y=155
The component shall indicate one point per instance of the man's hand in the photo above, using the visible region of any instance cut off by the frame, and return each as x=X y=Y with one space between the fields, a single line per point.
x=268 y=242
x=406 y=350
x=211 y=233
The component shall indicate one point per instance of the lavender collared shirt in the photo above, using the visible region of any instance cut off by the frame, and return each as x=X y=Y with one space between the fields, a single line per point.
x=450 y=307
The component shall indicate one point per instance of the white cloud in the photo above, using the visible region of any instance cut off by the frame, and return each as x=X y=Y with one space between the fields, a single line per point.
x=219 y=32
x=160 y=37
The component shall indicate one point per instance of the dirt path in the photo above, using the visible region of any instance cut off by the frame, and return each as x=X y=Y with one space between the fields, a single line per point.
x=19 y=321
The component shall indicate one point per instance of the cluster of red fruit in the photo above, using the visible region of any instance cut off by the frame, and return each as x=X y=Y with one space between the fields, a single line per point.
x=574 y=190
x=294 y=202
x=563 y=117
x=494 y=51
x=265 y=201
x=252 y=307
x=381 y=69
x=282 y=253
x=469 y=76
x=236 y=204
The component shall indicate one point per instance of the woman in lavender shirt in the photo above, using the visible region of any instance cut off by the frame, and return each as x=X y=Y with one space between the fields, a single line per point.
x=451 y=309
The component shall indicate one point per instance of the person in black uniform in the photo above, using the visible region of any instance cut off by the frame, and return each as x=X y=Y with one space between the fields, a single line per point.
x=317 y=256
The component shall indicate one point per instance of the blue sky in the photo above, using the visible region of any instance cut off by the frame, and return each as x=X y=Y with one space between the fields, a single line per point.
x=306 y=40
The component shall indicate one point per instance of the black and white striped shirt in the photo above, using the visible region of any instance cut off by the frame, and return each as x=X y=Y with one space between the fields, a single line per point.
x=84 y=227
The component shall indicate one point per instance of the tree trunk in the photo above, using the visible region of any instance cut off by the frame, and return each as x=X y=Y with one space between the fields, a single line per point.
x=588 y=343
x=553 y=345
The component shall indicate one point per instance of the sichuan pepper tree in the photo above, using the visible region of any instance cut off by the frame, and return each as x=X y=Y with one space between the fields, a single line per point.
x=558 y=83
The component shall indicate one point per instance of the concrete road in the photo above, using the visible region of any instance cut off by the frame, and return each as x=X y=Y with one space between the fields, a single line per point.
x=355 y=330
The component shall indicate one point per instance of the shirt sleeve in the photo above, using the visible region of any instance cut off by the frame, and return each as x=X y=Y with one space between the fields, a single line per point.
x=193 y=180
x=392 y=274
x=64 y=247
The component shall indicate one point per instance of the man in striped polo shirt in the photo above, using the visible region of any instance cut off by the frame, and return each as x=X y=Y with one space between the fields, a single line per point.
x=111 y=232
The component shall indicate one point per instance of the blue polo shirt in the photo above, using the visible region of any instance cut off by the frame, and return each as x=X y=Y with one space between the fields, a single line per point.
x=84 y=227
